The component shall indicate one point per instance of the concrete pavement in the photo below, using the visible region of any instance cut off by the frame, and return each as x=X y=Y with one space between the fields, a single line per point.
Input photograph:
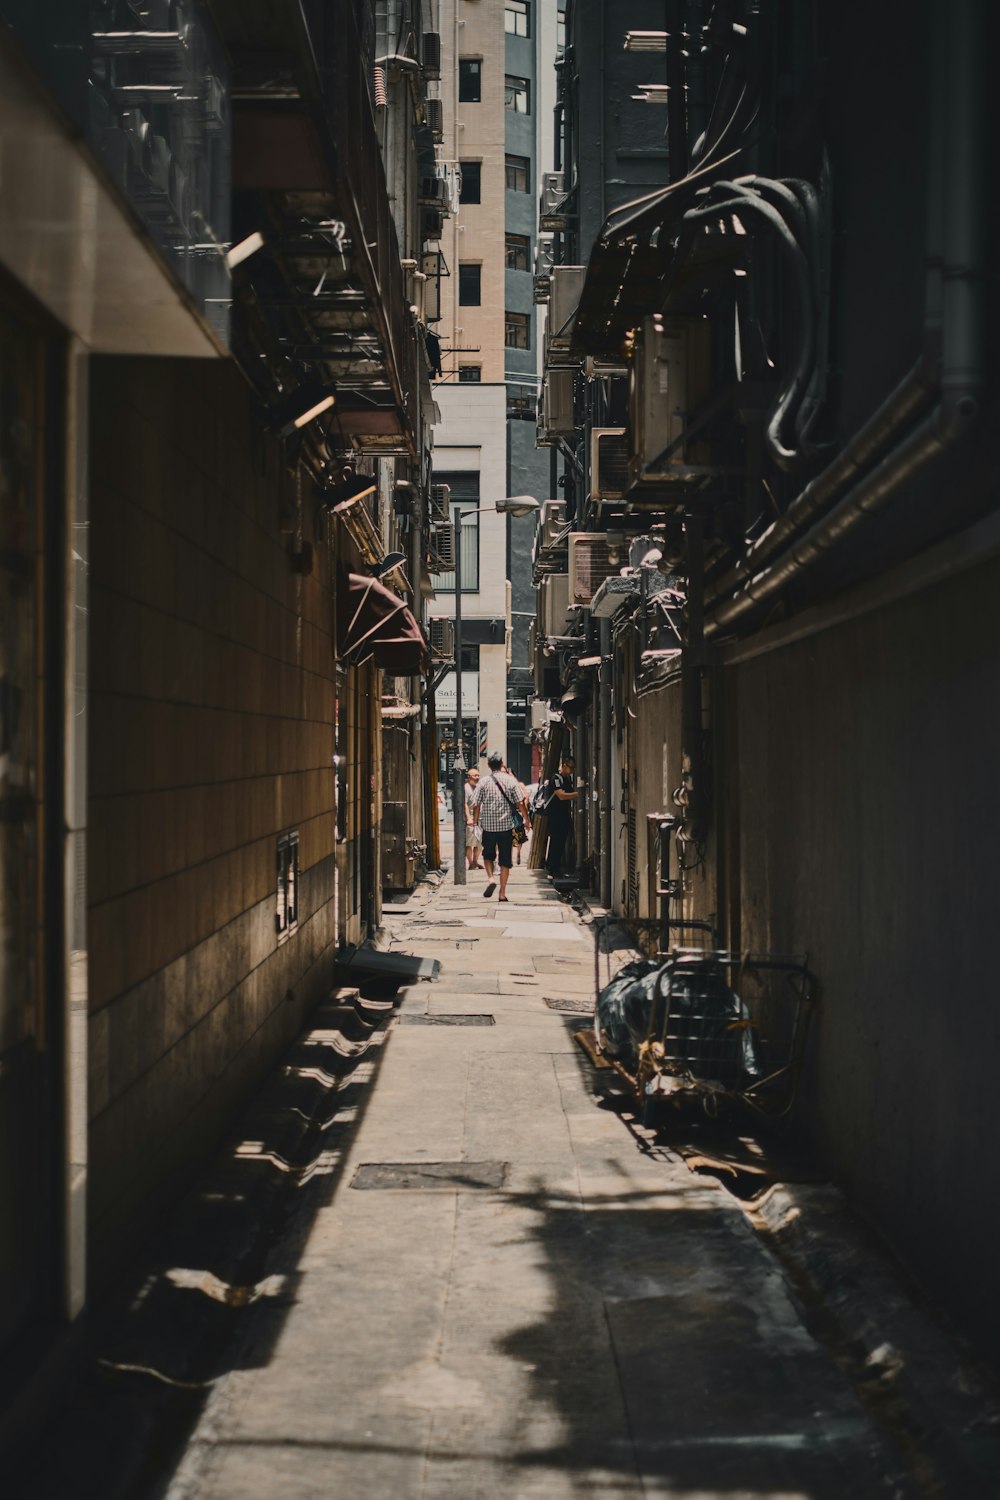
x=492 y=1283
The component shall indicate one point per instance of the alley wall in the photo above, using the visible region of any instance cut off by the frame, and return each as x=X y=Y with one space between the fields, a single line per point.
x=211 y=735
x=868 y=759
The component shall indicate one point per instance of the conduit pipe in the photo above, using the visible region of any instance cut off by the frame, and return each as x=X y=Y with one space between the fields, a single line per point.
x=961 y=368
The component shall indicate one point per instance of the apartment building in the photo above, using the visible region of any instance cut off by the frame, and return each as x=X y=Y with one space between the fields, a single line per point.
x=497 y=90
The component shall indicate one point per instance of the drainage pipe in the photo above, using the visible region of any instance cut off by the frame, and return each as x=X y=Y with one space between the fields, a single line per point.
x=961 y=374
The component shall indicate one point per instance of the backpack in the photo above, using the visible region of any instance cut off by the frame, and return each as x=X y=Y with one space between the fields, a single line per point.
x=542 y=797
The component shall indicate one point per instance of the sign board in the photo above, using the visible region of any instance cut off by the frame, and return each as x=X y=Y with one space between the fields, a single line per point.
x=445 y=698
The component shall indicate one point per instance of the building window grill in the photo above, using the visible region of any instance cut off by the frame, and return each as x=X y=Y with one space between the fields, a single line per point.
x=470 y=283
x=470 y=374
x=517 y=94
x=517 y=248
x=472 y=174
x=286 y=917
x=470 y=80
x=516 y=330
x=517 y=174
x=521 y=402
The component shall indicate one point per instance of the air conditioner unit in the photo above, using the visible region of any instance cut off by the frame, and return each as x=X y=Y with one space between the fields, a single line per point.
x=433 y=191
x=593 y=557
x=431 y=54
x=431 y=263
x=439 y=499
x=557 y=402
x=434 y=116
x=669 y=377
x=551 y=203
x=544 y=258
x=567 y=289
x=442 y=639
x=546 y=555
x=442 y=547
x=551 y=521
x=609 y=456
x=553 y=602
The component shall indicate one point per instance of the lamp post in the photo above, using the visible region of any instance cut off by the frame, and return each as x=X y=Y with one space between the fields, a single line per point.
x=458 y=779
x=511 y=505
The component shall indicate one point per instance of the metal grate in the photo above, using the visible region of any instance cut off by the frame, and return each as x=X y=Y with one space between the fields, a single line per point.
x=569 y=1007
x=633 y=862
x=462 y=1019
x=432 y=1176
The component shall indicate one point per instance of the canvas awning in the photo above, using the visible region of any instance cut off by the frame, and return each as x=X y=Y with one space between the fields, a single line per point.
x=373 y=621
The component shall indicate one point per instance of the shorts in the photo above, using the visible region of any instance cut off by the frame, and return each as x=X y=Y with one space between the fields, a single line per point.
x=473 y=835
x=504 y=842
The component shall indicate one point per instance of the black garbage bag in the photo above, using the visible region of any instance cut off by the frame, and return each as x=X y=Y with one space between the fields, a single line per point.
x=624 y=1007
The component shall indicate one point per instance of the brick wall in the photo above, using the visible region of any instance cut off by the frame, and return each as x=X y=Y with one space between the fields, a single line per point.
x=210 y=734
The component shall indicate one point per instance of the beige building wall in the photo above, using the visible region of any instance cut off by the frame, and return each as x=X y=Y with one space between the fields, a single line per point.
x=475 y=132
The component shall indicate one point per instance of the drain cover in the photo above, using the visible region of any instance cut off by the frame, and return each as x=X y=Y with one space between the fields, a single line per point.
x=462 y=1019
x=568 y=1007
x=431 y=1176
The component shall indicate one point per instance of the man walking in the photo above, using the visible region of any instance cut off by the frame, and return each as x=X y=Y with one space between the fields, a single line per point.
x=494 y=803
x=559 y=812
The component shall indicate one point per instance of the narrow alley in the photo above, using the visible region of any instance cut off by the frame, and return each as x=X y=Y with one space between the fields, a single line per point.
x=441 y=1259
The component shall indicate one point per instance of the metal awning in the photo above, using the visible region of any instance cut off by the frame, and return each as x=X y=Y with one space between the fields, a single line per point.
x=372 y=621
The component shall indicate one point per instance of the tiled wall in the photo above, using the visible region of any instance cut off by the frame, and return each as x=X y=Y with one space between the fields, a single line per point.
x=210 y=734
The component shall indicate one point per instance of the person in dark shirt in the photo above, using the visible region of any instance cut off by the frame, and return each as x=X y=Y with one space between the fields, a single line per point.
x=559 y=812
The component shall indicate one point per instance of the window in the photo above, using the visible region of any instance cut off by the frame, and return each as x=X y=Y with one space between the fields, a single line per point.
x=517 y=174
x=560 y=33
x=286 y=917
x=522 y=402
x=516 y=330
x=472 y=172
x=516 y=94
x=470 y=279
x=464 y=502
x=470 y=80
x=517 y=248
x=517 y=18
x=470 y=373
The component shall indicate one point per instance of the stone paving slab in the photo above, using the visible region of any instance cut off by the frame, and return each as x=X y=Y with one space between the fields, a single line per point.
x=545 y=1304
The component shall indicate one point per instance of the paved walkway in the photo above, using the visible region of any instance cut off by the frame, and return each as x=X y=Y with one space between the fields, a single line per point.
x=511 y=1292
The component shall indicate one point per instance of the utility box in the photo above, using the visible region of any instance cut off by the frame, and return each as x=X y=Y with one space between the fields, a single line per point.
x=669 y=379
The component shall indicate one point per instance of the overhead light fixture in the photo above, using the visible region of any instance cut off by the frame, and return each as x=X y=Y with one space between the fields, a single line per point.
x=646 y=41
x=242 y=251
x=303 y=406
x=349 y=491
x=518 y=505
x=652 y=93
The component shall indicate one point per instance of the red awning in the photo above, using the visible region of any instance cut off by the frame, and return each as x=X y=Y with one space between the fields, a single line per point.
x=373 y=621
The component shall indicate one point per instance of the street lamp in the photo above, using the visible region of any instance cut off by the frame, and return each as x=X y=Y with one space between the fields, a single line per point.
x=518 y=505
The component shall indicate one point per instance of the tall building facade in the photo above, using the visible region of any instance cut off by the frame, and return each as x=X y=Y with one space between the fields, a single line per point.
x=496 y=92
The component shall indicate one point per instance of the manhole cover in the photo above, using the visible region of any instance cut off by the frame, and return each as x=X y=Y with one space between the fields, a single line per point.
x=432 y=1176
x=463 y=1019
x=568 y=1007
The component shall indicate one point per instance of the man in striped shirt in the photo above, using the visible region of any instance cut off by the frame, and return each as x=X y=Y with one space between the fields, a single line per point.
x=494 y=803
